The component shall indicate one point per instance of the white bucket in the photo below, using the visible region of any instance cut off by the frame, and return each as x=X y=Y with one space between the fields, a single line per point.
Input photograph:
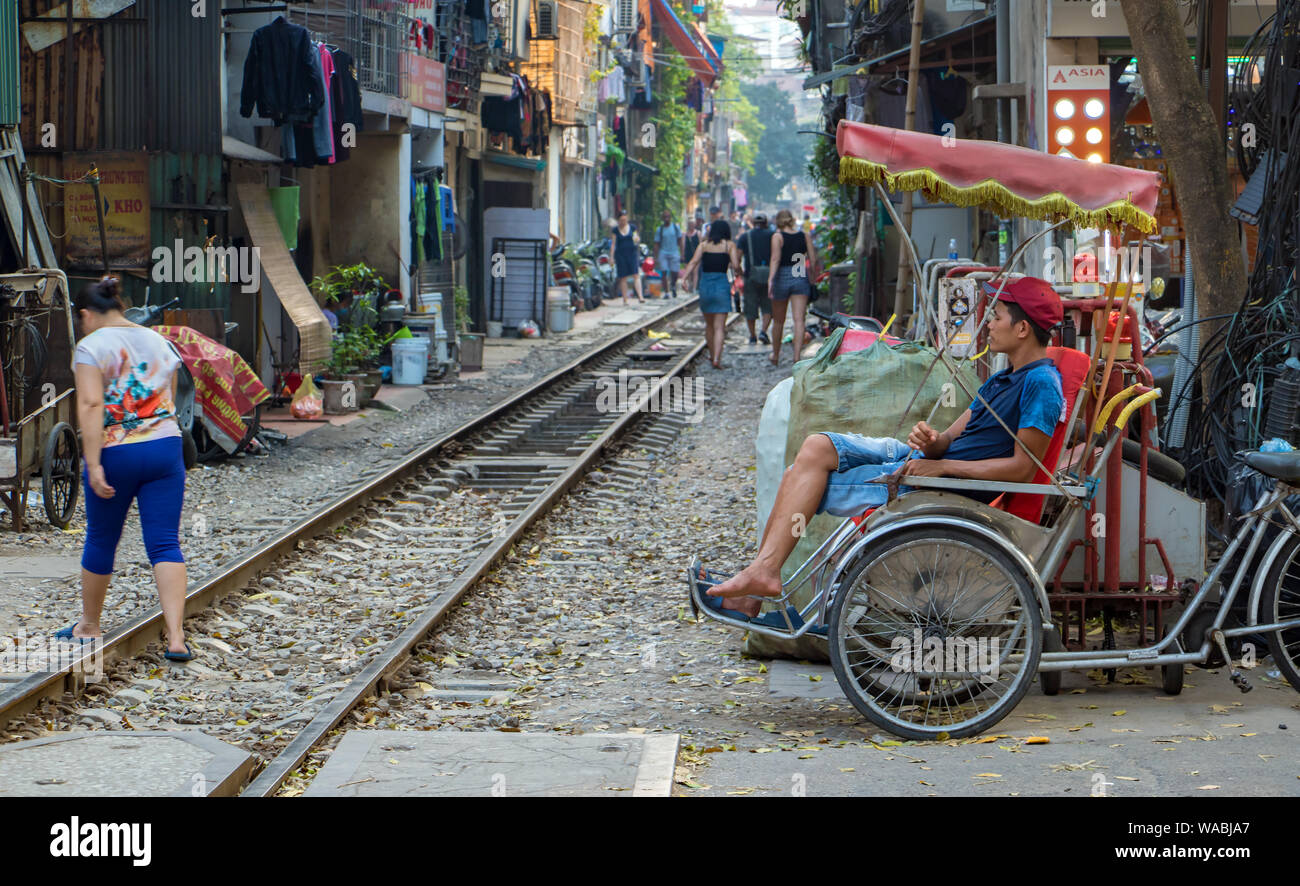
x=410 y=360
x=425 y=302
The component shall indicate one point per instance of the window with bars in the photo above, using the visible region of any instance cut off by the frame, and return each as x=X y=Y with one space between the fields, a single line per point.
x=562 y=66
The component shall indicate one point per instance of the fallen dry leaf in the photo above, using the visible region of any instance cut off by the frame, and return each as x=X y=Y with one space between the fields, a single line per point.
x=1038 y=739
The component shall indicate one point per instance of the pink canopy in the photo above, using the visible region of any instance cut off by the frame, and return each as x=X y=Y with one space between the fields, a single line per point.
x=1004 y=179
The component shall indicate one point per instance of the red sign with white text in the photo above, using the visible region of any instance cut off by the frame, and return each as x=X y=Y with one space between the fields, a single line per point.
x=428 y=83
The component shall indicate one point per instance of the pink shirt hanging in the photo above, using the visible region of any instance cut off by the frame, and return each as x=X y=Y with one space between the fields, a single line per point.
x=327 y=74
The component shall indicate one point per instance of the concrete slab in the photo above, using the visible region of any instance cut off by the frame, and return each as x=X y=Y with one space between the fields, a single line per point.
x=1118 y=739
x=402 y=397
x=116 y=764
x=790 y=679
x=37 y=568
x=383 y=763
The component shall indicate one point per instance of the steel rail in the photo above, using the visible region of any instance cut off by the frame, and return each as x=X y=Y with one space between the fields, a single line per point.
x=130 y=639
x=396 y=655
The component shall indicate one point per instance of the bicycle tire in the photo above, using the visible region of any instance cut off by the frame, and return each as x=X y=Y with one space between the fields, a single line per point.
x=1281 y=600
x=972 y=547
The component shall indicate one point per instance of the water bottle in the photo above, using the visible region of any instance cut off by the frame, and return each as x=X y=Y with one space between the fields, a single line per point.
x=952 y=249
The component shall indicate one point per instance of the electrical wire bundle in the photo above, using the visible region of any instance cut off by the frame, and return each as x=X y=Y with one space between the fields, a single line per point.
x=1242 y=390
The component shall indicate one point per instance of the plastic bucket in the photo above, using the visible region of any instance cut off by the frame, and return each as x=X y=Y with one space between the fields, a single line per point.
x=410 y=360
x=426 y=302
x=284 y=203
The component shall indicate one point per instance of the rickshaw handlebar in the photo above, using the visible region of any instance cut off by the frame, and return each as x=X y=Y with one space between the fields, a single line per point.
x=1147 y=395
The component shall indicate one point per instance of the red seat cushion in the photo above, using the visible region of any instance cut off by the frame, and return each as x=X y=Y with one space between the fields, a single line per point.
x=1073 y=366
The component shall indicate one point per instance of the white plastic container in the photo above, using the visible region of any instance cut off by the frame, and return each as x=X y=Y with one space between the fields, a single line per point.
x=559 y=313
x=770 y=445
x=427 y=302
x=410 y=360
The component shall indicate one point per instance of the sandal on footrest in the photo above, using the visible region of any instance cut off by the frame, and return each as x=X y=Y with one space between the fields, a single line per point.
x=701 y=580
x=774 y=619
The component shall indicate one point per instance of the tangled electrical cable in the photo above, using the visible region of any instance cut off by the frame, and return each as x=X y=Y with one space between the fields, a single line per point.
x=1234 y=383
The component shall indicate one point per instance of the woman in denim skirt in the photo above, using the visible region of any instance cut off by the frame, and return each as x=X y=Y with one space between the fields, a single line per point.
x=716 y=254
x=788 y=280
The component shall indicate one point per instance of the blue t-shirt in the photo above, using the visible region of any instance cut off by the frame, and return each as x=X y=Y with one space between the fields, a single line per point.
x=1028 y=397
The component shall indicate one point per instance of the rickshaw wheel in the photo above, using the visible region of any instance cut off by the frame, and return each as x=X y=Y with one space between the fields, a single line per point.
x=1281 y=600
x=962 y=598
x=60 y=474
x=1050 y=681
x=1171 y=675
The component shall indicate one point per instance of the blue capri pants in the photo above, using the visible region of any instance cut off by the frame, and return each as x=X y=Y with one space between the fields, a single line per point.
x=151 y=473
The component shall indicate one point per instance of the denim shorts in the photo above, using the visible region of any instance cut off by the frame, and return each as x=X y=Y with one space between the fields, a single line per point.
x=786 y=284
x=848 y=492
x=669 y=263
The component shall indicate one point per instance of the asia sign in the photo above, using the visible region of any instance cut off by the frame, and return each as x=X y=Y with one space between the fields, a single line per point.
x=1078 y=111
x=124 y=196
x=428 y=83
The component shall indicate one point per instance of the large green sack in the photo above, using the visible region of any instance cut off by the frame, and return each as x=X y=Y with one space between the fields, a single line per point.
x=860 y=392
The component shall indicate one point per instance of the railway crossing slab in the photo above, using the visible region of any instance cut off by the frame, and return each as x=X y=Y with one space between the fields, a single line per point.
x=384 y=763
x=114 y=764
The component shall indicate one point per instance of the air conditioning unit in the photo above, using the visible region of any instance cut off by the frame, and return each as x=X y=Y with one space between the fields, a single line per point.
x=547 y=24
x=625 y=12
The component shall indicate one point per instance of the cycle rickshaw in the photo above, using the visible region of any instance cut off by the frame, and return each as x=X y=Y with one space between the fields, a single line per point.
x=936 y=607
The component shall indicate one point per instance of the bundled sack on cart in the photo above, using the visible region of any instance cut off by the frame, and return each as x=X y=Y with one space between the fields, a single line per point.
x=842 y=390
x=225 y=386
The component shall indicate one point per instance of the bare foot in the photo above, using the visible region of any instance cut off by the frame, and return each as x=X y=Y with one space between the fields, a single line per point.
x=87 y=632
x=739 y=590
x=775 y=361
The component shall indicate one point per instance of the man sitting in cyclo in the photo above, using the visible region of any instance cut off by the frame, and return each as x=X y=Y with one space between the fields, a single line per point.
x=831 y=472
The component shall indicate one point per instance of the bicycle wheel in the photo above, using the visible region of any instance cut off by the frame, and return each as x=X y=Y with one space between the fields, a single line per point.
x=935 y=634
x=1281 y=600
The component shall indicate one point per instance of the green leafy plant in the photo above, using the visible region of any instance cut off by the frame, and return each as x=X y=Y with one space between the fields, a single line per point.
x=460 y=296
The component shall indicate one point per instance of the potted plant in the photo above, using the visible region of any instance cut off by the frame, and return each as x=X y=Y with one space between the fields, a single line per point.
x=341 y=376
x=470 y=343
x=370 y=344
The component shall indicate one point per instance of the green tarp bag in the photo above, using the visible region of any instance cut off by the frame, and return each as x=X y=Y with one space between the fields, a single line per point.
x=860 y=392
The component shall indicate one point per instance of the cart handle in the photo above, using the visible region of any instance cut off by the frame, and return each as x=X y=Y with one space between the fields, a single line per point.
x=1104 y=415
x=1146 y=398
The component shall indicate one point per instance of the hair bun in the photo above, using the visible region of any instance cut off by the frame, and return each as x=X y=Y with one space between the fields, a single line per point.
x=109 y=287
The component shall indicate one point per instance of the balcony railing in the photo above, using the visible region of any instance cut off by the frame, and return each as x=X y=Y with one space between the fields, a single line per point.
x=374 y=36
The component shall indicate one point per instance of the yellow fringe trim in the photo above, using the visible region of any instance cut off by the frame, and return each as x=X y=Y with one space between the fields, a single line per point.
x=994 y=196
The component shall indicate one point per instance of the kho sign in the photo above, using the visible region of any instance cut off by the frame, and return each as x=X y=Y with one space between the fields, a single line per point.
x=1078 y=111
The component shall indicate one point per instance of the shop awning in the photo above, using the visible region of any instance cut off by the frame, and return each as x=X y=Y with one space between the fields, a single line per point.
x=1004 y=179
x=530 y=163
x=641 y=167
x=687 y=45
x=239 y=150
x=279 y=270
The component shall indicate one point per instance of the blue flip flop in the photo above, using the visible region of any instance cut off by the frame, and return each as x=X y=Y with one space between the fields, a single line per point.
x=187 y=655
x=701 y=580
x=66 y=634
x=774 y=619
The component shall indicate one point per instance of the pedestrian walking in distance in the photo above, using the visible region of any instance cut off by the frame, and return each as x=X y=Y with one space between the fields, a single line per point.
x=716 y=255
x=690 y=243
x=755 y=248
x=623 y=252
x=794 y=259
x=668 y=243
x=131 y=442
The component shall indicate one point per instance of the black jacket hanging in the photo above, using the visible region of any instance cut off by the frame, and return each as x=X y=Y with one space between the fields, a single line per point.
x=280 y=80
x=346 y=100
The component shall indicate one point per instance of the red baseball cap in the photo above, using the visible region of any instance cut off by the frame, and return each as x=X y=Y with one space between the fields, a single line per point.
x=1036 y=298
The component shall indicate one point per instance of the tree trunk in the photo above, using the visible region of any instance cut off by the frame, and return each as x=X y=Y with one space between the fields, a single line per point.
x=1192 y=142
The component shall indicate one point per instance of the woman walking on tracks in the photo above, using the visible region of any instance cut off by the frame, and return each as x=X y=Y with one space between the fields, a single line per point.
x=623 y=252
x=787 y=281
x=716 y=254
x=126 y=392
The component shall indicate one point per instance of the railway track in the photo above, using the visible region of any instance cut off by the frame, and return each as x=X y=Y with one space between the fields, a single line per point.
x=333 y=605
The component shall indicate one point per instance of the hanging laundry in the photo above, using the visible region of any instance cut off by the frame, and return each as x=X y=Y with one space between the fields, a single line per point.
x=433 y=223
x=419 y=190
x=346 y=94
x=503 y=115
x=281 y=75
x=323 y=131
